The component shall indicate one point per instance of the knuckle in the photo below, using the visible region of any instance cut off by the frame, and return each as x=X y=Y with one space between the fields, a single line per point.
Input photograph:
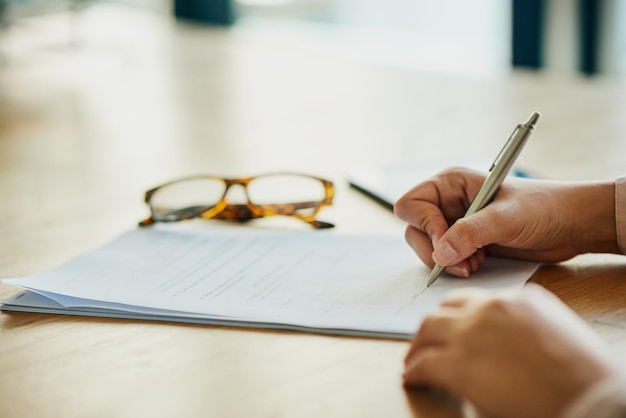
x=433 y=322
x=496 y=307
x=400 y=208
x=453 y=171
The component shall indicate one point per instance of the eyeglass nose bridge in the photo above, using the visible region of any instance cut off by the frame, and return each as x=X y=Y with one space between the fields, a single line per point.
x=247 y=209
x=232 y=209
x=243 y=182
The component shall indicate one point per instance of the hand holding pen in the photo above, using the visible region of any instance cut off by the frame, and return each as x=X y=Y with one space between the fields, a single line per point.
x=497 y=173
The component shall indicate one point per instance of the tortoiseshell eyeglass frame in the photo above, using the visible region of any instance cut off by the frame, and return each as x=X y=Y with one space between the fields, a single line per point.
x=243 y=212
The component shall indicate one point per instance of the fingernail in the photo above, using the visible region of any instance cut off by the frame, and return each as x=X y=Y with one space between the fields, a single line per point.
x=458 y=271
x=444 y=254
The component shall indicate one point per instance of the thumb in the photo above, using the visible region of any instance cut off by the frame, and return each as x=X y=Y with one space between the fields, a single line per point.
x=463 y=238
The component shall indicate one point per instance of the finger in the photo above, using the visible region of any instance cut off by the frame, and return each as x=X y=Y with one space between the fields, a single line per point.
x=426 y=193
x=468 y=235
x=428 y=367
x=460 y=270
x=469 y=265
x=458 y=243
x=491 y=227
x=477 y=259
x=421 y=207
x=482 y=255
x=435 y=204
x=435 y=329
x=427 y=218
x=421 y=244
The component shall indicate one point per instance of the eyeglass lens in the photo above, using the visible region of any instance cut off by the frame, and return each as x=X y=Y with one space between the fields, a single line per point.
x=287 y=190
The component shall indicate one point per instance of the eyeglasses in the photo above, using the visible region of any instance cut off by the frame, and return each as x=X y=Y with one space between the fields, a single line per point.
x=296 y=195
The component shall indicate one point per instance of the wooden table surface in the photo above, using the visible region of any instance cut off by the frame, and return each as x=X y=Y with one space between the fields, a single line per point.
x=84 y=132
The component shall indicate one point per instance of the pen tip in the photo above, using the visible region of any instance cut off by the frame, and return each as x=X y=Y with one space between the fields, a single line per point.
x=534 y=119
x=434 y=274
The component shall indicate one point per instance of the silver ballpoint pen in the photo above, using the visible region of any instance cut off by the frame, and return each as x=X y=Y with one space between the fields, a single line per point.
x=497 y=173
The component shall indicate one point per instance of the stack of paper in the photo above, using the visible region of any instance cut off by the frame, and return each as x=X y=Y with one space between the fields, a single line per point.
x=314 y=281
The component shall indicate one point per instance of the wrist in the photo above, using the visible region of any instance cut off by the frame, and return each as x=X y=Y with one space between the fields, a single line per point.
x=596 y=220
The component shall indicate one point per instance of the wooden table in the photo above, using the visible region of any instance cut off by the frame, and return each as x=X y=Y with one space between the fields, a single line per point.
x=83 y=134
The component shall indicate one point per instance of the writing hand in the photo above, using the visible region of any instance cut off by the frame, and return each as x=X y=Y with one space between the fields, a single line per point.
x=529 y=219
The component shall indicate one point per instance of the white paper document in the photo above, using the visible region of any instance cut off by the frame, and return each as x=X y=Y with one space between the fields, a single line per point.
x=313 y=281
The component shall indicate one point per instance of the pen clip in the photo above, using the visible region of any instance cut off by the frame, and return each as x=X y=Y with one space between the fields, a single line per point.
x=508 y=141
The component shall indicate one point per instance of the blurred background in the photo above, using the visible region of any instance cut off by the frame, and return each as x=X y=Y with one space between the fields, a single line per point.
x=477 y=37
x=93 y=75
x=101 y=99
